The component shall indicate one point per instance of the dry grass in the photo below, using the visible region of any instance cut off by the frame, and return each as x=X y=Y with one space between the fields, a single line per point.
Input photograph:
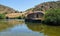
x=13 y=15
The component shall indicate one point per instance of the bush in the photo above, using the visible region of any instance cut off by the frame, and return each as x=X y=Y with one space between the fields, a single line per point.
x=19 y=17
x=52 y=16
x=2 y=16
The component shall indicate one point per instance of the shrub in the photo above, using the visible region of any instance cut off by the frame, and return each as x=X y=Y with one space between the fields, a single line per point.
x=2 y=16
x=52 y=16
x=18 y=17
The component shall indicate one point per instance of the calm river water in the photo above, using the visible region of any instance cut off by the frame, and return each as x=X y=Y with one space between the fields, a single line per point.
x=21 y=28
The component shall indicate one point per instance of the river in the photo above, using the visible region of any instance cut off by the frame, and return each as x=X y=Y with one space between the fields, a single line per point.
x=21 y=28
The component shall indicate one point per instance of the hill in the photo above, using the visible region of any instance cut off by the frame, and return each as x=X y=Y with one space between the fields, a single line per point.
x=9 y=12
x=6 y=9
x=47 y=5
x=40 y=7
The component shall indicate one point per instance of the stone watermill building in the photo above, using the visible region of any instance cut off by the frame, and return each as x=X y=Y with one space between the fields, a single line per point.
x=35 y=16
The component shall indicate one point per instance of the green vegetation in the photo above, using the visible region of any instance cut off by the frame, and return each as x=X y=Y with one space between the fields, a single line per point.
x=2 y=16
x=18 y=17
x=52 y=16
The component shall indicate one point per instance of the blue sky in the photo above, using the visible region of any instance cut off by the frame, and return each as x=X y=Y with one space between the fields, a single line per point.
x=22 y=5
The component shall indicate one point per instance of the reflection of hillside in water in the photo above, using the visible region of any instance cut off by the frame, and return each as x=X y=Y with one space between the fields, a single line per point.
x=52 y=30
x=4 y=24
x=15 y=21
x=47 y=30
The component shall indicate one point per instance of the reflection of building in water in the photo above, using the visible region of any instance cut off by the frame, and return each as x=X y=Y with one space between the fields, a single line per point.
x=47 y=30
x=35 y=27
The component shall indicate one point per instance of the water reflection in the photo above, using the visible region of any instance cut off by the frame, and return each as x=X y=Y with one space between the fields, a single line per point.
x=4 y=24
x=47 y=30
x=35 y=26
x=21 y=28
x=52 y=30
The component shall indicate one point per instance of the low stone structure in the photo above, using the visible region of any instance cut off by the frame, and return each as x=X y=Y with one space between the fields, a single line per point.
x=35 y=16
